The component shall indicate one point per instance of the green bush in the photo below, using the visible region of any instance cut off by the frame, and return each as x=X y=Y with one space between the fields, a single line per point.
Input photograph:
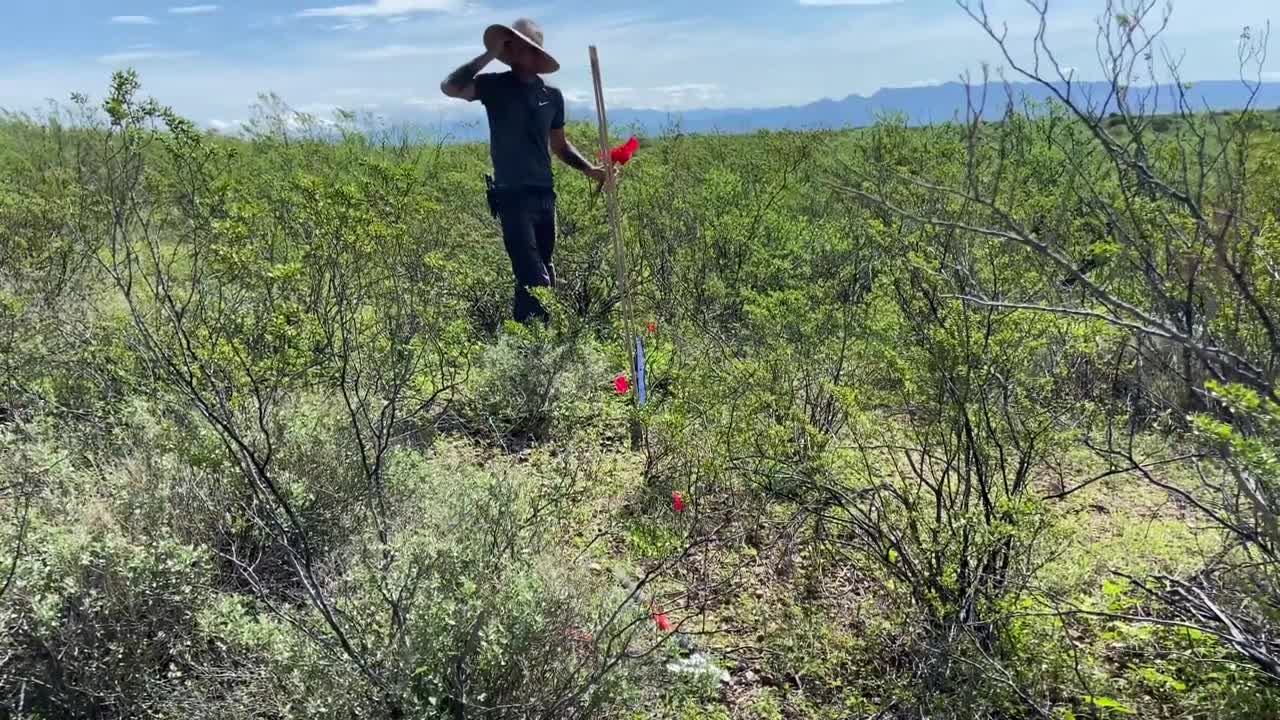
x=532 y=383
x=469 y=594
x=100 y=615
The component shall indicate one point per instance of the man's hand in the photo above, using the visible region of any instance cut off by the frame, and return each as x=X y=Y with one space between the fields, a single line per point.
x=599 y=175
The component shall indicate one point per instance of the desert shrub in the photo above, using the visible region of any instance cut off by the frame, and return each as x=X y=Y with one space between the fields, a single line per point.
x=490 y=616
x=538 y=382
x=100 y=612
x=470 y=597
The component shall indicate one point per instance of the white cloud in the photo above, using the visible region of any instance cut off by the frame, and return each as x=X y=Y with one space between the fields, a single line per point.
x=352 y=25
x=217 y=124
x=311 y=115
x=383 y=8
x=687 y=89
x=317 y=108
x=132 y=20
x=663 y=97
x=576 y=96
x=441 y=102
x=382 y=95
x=194 y=9
x=133 y=56
x=846 y=3
x=392 y=52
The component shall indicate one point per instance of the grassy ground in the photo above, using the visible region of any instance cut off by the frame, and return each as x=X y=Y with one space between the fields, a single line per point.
x=795 y=633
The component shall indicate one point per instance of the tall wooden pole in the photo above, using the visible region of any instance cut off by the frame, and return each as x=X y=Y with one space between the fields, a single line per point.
x=615 y=229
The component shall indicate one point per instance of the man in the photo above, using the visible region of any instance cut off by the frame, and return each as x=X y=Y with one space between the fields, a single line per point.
x=526 y=123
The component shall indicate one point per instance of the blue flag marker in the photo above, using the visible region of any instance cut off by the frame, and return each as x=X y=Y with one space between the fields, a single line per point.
x=640 y=391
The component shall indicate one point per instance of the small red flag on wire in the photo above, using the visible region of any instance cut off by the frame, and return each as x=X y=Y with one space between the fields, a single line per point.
x=660 y=619
x=677 y=501
x=622 y=385
x=621 y=155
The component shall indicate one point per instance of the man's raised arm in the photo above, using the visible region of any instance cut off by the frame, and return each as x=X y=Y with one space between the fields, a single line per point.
x=461 y=83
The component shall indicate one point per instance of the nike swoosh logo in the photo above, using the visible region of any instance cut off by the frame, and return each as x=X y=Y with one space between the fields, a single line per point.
x=544 y=103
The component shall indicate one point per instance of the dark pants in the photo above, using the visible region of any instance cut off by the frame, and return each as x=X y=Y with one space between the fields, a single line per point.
x=528 y=218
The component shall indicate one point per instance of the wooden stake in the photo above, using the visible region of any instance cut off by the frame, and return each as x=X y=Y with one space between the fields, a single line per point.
x=615 y=229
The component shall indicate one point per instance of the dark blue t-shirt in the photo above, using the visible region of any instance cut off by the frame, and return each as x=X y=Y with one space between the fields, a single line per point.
x=521 y=114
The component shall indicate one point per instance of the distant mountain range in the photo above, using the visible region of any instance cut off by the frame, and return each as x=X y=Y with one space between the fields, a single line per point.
x=917 y=105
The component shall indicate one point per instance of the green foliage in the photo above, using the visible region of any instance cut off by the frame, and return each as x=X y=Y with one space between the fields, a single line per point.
x=101 y=611
x=271 y=448
x=530 y=383
x=129 y=619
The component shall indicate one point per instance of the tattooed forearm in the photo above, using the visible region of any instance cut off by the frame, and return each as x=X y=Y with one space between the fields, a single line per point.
x=465 y=74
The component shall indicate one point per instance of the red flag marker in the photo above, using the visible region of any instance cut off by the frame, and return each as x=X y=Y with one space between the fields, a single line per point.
x=622 y=154
x=677 y=501
x=622 y=385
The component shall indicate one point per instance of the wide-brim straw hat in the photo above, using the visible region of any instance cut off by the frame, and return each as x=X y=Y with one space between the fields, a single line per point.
x=525 y=31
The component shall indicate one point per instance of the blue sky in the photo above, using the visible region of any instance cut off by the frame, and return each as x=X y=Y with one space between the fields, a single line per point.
x=211 y=60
